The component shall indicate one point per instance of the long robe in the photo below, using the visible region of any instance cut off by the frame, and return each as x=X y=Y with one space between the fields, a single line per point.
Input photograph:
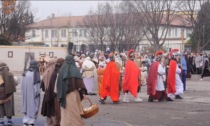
x=131 y=78
x=110 y=85
x=171 y=80
x=152 y=78
x=71 y=113
x=100 y=73
x=30 y=96
x=48 y=106
x=7 y=89
x=175 y=85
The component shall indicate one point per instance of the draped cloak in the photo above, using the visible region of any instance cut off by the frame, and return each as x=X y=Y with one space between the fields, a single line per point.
x=152 y=79
x=110 y=83
x=171 y=81
x=131 y=78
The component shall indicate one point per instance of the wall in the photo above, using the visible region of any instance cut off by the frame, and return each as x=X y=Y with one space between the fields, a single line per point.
x=16 y=62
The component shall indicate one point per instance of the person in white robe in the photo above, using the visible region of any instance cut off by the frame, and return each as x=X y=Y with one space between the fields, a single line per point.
x=31 y=93
x=179 y=89
x=88 y=68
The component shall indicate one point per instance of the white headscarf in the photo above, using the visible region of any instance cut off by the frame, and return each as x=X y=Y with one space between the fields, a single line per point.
x=88 y=63
x=118 y=60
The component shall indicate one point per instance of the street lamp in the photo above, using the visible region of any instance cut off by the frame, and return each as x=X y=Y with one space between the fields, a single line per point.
x=51 y=30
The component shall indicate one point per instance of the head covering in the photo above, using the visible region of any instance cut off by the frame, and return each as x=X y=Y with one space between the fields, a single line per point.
x=102 y=64
x=76 y=58
x=82 y=56
x=48 y=72
x=174 y=52
x=159 y=53
x=95 y=59
x=60 y=61
x=88 y=64
x=111 y=56
x=118 y=59
x=67 y=71
x=34 y=67
x=131 y=53
x=8 y=78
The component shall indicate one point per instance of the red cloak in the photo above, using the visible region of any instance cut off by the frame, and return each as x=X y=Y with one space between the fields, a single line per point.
x=152 y=79
x=171 y=81
x=110 y=82
x=130 y=82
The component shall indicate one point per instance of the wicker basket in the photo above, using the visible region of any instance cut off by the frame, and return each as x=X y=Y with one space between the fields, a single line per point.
x=89 y=111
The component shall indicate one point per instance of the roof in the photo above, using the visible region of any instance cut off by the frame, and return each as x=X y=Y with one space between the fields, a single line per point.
x=77 y=20
x=57 y=22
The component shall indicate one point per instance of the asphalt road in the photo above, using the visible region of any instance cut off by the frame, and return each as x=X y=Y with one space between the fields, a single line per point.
x=193 y=110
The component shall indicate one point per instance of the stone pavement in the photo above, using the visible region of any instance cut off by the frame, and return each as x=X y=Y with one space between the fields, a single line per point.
x=193 y=110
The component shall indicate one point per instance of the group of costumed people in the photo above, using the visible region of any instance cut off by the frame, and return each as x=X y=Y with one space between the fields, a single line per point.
x=164 y=80
x=163 y=83
x=66 y=82
x=63 y=88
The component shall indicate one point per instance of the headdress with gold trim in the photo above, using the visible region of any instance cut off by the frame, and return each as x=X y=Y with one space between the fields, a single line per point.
x=174 y=52
x=159 y=53
x=131 y=53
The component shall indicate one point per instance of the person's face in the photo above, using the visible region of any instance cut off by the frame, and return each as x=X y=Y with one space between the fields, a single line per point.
x=177 y=58
x=58 y=66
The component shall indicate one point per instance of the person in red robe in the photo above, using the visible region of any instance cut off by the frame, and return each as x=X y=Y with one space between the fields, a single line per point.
x=155 y=83
x=131 y=78
x=174 y=83
x=110 y=82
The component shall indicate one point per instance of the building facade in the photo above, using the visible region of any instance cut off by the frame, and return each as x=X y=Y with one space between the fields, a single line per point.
x=58 y=31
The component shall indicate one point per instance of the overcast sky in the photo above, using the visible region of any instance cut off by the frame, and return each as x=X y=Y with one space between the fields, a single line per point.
x=43 y=9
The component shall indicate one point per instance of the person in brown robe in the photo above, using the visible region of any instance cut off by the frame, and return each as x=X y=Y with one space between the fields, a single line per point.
x=50 y=102
x=70 y=91
x=7 y=89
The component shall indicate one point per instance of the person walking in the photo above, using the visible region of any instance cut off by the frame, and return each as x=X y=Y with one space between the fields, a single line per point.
x=155 y=82
x=110 y=84
x=70 y=91
x=7 y=89
x=131 y=82
x=174 y=83
x=49 y=101
x=184 y=71
x=31 y=93
x=88 y=68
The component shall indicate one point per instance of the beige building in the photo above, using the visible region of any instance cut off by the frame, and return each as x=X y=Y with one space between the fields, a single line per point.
x=58 y=31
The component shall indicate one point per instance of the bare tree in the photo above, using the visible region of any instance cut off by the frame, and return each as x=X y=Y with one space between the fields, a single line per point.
x=154 y=18
x=190 y=10
x=130 y=33
x=96 y=26
x=112 y=25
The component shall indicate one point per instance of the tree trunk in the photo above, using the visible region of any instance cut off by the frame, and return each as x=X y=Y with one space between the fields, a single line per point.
x=156 y=46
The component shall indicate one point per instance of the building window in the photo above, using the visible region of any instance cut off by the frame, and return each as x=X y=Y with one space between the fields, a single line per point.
x=169 y=32
x=33 y=33
x=74 y=33
x=46 y=33
x=85 y=33
x=63 y=33
x=182 y=32
x=54 y=33
x=176 y=32
x=82 y=32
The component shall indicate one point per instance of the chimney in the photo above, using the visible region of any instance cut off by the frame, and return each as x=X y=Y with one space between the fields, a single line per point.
x=53 y=15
